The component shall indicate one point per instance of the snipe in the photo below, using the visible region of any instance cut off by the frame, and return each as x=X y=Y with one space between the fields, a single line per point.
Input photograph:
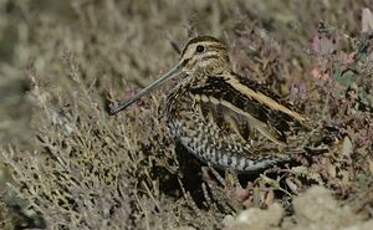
x=220 y=116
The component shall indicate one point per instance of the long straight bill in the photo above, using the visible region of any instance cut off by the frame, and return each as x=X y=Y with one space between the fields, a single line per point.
x=169 y=75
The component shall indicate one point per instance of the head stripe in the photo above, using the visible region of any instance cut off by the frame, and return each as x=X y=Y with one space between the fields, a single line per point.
x=201 y=39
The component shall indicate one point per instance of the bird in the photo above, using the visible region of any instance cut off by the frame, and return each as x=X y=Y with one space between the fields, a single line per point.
x=226 y=120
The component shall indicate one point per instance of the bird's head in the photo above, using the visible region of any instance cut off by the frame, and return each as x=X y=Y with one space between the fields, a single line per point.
x=204 y=54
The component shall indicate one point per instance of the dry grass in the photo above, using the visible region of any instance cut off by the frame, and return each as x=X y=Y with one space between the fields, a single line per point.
x=73 y=167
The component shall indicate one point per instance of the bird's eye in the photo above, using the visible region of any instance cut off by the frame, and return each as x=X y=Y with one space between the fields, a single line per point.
x=200 y=49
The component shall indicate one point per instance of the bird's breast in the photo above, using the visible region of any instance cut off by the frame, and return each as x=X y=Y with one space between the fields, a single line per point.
x=179 y=104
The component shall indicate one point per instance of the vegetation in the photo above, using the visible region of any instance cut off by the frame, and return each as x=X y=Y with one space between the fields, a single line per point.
x=65 y=164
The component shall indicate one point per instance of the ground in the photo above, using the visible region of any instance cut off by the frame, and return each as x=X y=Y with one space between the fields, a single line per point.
x=66 y=164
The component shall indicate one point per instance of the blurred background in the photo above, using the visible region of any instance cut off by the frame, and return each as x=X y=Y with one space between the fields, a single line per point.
x=130 y=42
x=62 y=62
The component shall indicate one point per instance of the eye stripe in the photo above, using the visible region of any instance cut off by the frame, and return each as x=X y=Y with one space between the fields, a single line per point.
x=216 y=47
x=206 y=41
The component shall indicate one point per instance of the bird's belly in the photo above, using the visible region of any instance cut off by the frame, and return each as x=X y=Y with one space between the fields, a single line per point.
x=204 y=141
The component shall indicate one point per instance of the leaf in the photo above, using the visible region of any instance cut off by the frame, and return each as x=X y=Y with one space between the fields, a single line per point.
x=345 y=78
x=322 y=44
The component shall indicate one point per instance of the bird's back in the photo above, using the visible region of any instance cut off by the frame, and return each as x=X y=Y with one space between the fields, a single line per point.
x=219 y=125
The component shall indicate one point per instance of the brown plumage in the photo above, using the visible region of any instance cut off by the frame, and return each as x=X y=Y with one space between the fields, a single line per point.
x=220 y=117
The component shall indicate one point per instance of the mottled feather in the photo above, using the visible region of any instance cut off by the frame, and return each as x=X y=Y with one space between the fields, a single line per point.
x=223 y=118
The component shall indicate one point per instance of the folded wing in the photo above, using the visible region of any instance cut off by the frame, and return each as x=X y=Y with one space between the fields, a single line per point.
x=246 y=108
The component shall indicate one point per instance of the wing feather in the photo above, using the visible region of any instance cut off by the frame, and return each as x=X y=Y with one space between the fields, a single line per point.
x=242 y=113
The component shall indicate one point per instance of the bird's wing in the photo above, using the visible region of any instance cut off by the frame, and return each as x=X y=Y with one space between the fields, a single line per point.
x=245 y=107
